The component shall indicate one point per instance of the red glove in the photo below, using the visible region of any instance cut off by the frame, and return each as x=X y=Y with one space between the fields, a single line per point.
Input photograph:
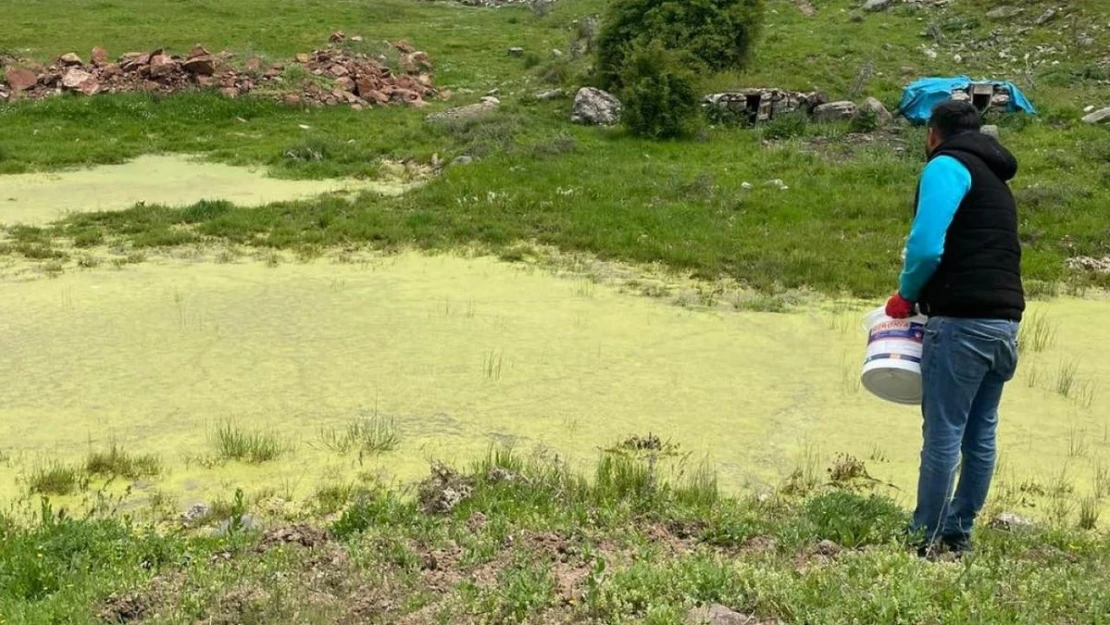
x=898 y=307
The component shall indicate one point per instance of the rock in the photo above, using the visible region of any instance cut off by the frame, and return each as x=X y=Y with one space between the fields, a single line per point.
x=77 y=79
x=835 y=111
x=747 y=186
x=195 y=513
x=990 y=130
x=828 y=548
x=931 y=53
x=472 y=111
x=162 y=65
x=1088 y=263
x=200 y=65
x=778 y=184
x=357 y=39
x=133 y=61
x=21 y=79
x=404 y=46
x=1046 y=17
x=1004 y=12
x=717 y=614
x=303 y=58
x=70 y=60
x=516 y=52
x=198 y=51
x=337 y=37
x=247 y=522
x=463 y=160
x=292 y=99
x=1089 y=108
x=1011 y=522
x=872 y=105
x=1098 y=117
x=230 y=92
x=100 y=57
x=877 y=5
x=345 y=84
x=594 y=106
x=253 y=65
x=554 y=94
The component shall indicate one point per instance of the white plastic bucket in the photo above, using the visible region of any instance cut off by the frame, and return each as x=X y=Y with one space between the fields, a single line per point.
x=892 y=367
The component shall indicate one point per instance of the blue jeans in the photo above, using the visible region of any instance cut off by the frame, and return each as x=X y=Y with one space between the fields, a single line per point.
x=965 y=363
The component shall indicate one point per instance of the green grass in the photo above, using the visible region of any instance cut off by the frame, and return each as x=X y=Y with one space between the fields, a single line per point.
x=368 y=435
x=538 y=179
x=117 y=462
x=534 y=542
x=250 y=446
x=55 y=479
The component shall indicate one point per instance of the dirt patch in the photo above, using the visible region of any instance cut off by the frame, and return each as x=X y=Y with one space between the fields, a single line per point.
x=444 y=489
x=301 y=535
x=334 y=75
x=125 y=607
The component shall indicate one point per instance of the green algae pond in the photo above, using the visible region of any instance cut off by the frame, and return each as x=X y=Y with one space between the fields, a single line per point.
x=450 y=354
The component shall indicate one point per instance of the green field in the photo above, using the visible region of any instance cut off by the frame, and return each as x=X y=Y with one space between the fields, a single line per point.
x=640 y=357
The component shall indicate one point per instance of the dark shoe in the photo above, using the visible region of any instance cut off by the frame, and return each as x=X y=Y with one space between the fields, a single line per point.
x=959 y=544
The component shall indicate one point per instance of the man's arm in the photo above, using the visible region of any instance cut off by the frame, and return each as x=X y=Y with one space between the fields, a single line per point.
x=944 y=184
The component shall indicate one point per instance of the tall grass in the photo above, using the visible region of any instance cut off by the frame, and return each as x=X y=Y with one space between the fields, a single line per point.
x=1037 y=333
x=1066 y=377
x=370 y=435
x=117 y=462
x=252 y=447
x=1089 y=511
x=55 y=479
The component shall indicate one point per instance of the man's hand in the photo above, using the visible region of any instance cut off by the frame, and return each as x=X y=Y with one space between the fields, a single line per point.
x=898 y=307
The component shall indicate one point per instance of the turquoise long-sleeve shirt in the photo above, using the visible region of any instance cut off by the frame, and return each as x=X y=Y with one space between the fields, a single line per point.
x=944 y=184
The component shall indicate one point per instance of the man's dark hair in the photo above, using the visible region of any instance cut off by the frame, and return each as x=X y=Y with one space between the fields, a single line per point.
x=955 y=117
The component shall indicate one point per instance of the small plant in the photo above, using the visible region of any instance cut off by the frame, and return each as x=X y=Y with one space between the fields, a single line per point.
x=367 y=435
x=332 y=498
x=864 y=122
x=851 y=520
x=1089 y=512
x=116 y=462
x=659 y=93
x=55 y=479
x=1077 y=443
x=786 y=126
x=1037 y=333
x=1102 y=481
x=1066 y=377
x=493 y=364
x=233 y=443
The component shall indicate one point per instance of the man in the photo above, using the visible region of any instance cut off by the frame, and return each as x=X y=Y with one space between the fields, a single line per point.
x=963 y=270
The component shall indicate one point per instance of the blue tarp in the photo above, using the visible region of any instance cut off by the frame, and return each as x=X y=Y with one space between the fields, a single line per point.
x=922 y=95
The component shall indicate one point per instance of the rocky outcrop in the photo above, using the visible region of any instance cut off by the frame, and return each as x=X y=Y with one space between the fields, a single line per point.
x=836 y=111
x=760 y=104
x=1098 y=117
x=596 y=107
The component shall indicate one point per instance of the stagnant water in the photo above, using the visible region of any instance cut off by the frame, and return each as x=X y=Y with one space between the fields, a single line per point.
x=467 y=352
x=170 y=180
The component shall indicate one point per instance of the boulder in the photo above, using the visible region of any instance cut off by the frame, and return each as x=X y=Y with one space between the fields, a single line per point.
x=162 y=65
x=198 y=51
x=21 y=79
x=70 y=60
x=835 y=111
x=877 y=5
x=77 y=79
x=203 y=65
x=597 y=107
x=345 y=84
x=717 y=614
x=100 y=57
x=872 y=105
x=133 y=61
x=1098 y=117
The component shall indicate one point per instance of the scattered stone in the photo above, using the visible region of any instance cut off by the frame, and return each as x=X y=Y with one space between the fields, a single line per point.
x=345 y=84
x=717 y=614
x=1087 y=263
x=806 y=7
x=516 y=52
x=301 y=535
x=554 y=94
x=828 y=548
x=195 y=513
x=77 y=79
x=100 y=57
x=443 y=490
x=930 y=52
x=203 y=65
x=761 y=104
x=471 y=111
x=124 y=608
x=747 y=186
x=877 y=5
x=253 y=65
x=872 y=105
x=1089 y=108
x=1010 y=522
x=337 y=37
x=990 y=130
x=1046 y=17
x=247 y=522
x=404 y=46
x=778 y=184
x=463 y=160
x=70 y=60
x=21 y=79
x=198 y=51
x=596 y=107
x=1004 y=12
x=835 y=111
x=1098 y=117
x=162 y=65
x=303 y=59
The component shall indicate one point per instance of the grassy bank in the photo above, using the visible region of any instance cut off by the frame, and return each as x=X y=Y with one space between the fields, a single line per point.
x=838 y=228
x=514 y=540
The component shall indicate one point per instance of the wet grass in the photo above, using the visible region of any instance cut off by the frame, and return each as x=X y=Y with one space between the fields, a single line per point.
x=250 y=446
x=117 y=462
x=529 y=541
x=366 y=434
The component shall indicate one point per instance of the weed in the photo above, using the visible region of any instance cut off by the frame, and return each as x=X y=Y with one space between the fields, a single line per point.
x=87 y=261
x=368 y=435
x=851 y=520
x=253 y=447
x=1090 y=508
x=1066 y=377
x=1037 y=333
x=55 y=479
x=331 y=498
x=787 y=126
x=493 y=364
x=116 y=462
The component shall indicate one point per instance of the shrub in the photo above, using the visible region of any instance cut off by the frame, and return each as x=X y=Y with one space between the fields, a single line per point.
x=659 y=95
x=718 y=32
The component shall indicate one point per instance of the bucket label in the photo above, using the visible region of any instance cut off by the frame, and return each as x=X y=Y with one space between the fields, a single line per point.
x=915 y=332
x=892 y=356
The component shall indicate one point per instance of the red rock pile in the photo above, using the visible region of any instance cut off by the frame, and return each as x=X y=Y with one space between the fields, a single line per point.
x=338 y=76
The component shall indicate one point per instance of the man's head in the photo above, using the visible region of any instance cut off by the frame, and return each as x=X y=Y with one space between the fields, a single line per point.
x=951 y=118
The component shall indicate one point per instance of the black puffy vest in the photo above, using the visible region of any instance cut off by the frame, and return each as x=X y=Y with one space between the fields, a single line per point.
x=980 y=272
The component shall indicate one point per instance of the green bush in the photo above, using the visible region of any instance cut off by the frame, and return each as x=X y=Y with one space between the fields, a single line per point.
x=659 y=95
x=718 y=32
